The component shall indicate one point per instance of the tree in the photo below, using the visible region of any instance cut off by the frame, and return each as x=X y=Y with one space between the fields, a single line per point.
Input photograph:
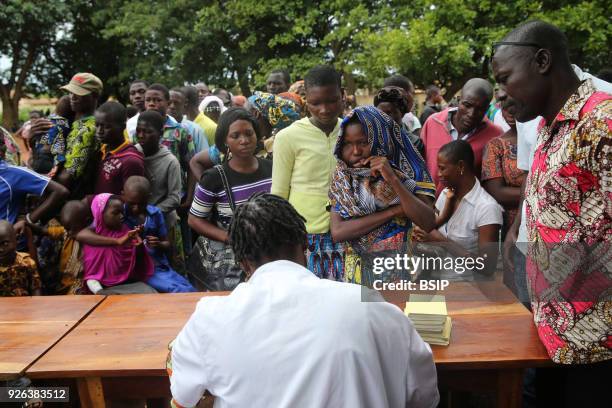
x=26 y=31
x=449 y=41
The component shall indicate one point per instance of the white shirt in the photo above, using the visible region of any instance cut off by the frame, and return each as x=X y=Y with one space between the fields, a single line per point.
x=476 y=209
x=131 y=125
x=499 y=120
x=286 y=338
x=411 y=122
x=527 y=137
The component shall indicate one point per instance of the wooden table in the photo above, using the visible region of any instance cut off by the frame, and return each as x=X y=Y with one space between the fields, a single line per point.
x=29 y=326
x=493 y=339
x=123 y=344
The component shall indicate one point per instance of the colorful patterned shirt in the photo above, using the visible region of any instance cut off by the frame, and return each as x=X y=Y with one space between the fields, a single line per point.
x=54 y=141
x=179 y=142
x=21 y=278
x=499 y=161
x=569 y=224
x=80 y=145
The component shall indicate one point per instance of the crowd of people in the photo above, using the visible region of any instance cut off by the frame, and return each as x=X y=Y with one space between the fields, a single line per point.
x=188 y=190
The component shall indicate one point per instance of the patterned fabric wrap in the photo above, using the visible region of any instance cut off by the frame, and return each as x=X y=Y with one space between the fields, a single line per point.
x=354 y=191
x=9 y=148
x=55 y=139
x=499 y=161
x=279 y=112
x=293 y=97
x=324 y=257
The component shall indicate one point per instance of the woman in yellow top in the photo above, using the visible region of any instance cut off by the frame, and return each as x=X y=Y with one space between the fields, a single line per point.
x=304 y=163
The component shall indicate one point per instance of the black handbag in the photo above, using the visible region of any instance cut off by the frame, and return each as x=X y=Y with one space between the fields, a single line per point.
x=211 y=265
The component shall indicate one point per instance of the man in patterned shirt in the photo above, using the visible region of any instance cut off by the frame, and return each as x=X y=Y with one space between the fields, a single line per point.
x=569 y=213
x=81 y=144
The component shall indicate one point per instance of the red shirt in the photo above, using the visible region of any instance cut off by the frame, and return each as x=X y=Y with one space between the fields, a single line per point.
x=436 y=133
x=116 y=166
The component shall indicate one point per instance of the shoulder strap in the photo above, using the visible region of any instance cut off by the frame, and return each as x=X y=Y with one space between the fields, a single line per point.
x=226 y=186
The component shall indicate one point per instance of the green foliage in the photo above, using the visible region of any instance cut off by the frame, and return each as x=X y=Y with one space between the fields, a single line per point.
x=26 y=30
x=235 y=43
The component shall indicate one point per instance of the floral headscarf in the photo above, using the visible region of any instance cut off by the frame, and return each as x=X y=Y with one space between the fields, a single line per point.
x=279 y=112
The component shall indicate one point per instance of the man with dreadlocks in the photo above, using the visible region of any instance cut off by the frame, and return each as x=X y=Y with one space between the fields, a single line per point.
x=284 y=337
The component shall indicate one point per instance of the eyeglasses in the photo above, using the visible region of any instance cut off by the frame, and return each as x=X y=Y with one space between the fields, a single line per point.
x=515 y=43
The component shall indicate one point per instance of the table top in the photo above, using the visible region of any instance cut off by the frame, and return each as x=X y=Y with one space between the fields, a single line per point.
x=490 y=330
x=127 y=335
x=29 y=326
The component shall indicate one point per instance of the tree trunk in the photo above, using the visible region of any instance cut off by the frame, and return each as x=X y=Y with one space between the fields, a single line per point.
x=349 y=82
x=10 y=112
x=243 y=82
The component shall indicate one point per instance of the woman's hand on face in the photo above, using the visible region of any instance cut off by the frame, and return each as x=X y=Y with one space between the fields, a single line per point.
x=380 y=167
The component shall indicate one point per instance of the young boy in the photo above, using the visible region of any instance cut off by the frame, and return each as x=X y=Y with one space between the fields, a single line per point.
x=136 y=195
x=18 y=272
x=304 y=163
x=119 y=158
x=163 y=170
x=74 y=217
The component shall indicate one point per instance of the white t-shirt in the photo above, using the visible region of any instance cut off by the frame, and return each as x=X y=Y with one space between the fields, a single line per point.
x=499 y=120
x=527 y=137
x=286 y=338
x=476 y=209
x=130 y=126
x=411 y=122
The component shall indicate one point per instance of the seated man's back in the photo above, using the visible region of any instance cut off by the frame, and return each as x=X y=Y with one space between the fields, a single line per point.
x=286 y=338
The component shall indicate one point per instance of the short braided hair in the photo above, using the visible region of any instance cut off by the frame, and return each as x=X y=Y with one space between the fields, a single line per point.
x=263 y=226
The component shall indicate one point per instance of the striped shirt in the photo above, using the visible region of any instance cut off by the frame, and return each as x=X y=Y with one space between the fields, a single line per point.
x=210 y=193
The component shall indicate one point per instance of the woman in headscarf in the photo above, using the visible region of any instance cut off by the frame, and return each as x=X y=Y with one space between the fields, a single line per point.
x=292 y=96
x=273 y=113
x=212 y=106
x=379 y=189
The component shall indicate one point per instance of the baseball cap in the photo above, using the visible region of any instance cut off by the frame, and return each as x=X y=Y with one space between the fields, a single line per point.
x=83 y=84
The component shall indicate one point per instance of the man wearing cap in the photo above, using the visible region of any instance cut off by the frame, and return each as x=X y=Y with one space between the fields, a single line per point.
x=84 y=89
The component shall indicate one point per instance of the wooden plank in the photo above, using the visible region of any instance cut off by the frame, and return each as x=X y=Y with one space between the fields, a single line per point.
x=127 y=335
x=30 y=326
x=510 y=388
x=91 y=393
